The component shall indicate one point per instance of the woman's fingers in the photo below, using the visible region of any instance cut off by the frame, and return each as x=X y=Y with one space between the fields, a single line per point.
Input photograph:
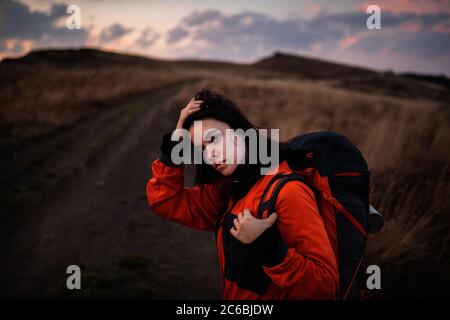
x=194 y=103
x=192 y=110
x=271 y=219
x=236 y=224
x=244 y=215
x=234 y=232
x=247 y=213
x=191 y=107
x=238 y=235
x=246 y=228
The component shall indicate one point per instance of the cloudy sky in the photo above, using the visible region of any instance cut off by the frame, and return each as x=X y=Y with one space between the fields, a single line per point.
x=415 y=34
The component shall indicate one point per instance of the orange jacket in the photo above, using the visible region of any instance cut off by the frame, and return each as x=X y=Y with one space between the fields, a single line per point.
x=307 y=269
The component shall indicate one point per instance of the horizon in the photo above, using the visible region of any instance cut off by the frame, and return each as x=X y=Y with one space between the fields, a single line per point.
x=137 y=55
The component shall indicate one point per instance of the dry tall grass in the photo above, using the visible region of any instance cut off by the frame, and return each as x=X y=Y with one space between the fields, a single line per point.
x=42 y=99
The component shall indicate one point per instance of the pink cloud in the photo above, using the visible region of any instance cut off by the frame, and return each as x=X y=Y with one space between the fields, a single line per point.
x=411 y=26
x=443 y=28
x=348 y=42
x=415 y=6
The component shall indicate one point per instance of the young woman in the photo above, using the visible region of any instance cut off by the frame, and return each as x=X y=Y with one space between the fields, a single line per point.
x=285 y=255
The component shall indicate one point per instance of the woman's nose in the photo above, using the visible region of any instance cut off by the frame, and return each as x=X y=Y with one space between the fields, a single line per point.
x=212 y=154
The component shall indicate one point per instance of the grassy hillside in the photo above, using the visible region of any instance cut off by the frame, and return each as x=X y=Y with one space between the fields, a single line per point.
x=401 y=124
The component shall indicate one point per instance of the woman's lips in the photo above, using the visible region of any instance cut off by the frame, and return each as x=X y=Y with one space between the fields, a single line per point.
x=219 y=166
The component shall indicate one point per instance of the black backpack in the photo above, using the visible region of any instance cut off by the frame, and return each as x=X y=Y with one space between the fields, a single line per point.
x=336 y=171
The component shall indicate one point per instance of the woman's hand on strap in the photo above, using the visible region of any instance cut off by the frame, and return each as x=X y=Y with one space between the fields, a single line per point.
x=247 y=228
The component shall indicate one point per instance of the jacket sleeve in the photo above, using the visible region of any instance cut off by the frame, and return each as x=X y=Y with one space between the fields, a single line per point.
x=302 y=262
x=195 y=207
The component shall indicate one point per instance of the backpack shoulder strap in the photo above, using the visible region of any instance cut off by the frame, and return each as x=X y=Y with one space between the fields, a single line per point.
x=282 y=179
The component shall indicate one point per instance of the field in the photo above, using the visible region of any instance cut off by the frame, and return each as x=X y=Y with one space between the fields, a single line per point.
x=79 y=130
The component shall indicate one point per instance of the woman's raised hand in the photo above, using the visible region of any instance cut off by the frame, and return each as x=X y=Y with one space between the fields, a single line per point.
x=192 y=106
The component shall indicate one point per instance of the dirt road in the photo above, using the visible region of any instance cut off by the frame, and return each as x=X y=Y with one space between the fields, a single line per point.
x=85 y=190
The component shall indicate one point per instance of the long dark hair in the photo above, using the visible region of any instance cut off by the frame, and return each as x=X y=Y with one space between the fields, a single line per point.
x=217 y=106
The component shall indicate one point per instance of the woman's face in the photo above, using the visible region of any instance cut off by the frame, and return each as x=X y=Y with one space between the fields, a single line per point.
x=221 y=147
